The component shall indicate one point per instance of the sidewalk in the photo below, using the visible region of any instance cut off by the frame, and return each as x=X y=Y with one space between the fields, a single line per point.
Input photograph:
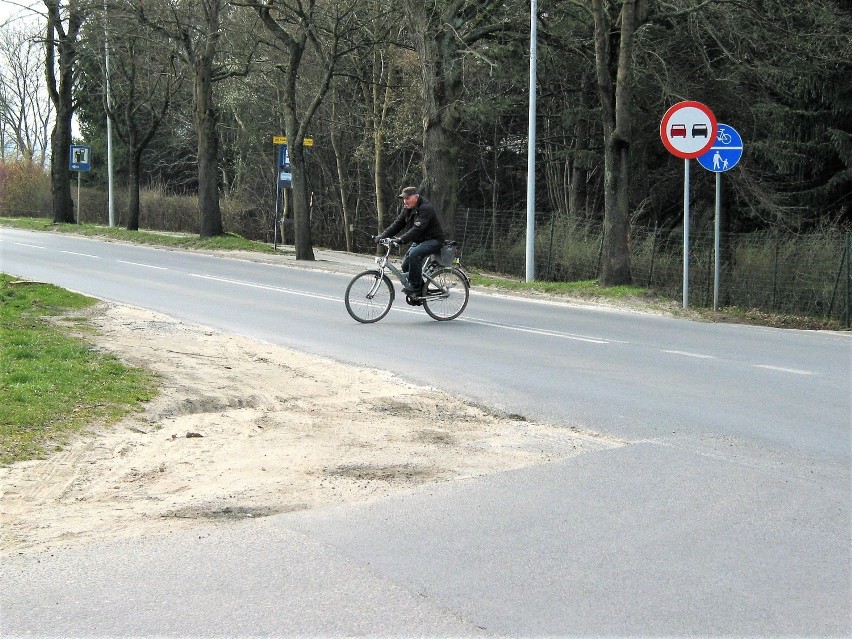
x=325 y=259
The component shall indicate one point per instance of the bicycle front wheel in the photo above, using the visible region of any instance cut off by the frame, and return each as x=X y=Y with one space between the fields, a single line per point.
x=369 y=297
x=448 y=302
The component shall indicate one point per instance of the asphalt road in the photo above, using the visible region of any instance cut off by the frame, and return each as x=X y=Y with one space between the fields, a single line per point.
x=727 y=512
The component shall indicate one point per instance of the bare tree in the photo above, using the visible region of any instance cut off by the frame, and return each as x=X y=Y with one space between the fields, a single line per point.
x=198 y=28
x=299 y=27
x=375 y=66
x=143 y=78
x=25 y=110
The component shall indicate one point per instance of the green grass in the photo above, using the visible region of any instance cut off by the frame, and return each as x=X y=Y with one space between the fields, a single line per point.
x=645 y=299
x=53 y=384
x=584 y=289
x=227 y=242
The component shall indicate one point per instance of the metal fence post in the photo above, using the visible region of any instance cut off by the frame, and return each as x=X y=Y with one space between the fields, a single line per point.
x=775 y=276
x=653 y=255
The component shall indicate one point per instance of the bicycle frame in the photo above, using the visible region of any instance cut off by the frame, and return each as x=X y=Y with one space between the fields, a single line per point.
x=385 y=264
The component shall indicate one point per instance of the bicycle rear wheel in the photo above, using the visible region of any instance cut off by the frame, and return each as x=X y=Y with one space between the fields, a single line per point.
x=369 y=297
x=448 y=302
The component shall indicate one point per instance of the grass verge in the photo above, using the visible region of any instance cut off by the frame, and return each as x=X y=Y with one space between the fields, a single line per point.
x=636 y=298
x=227 y=242
x=51 y=383
x=584 y=289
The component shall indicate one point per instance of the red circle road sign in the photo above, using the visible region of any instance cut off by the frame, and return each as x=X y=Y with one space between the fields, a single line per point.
x=688 y=129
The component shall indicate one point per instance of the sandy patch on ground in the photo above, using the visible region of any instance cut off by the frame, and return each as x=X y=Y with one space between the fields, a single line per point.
x=248 y=429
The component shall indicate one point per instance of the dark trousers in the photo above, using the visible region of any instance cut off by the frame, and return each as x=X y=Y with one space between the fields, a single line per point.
x=413 y=261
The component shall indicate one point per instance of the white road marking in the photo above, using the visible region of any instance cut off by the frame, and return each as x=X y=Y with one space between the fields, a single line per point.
x=781 y=369
x=265 y=287
x=537 y=331
x=97 y=257
x=687 y=354
x=159 y=268
x=29 y=245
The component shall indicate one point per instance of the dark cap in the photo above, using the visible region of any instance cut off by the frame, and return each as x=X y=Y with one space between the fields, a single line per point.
x=408 y=190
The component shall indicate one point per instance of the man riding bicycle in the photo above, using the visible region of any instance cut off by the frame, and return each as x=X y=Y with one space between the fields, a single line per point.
x=418 y=223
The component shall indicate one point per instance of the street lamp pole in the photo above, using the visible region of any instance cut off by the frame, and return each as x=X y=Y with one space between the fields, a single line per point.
x=110 y=196
x=530 y=252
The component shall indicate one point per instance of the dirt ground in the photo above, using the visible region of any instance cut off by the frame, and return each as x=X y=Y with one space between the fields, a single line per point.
x=248 y=429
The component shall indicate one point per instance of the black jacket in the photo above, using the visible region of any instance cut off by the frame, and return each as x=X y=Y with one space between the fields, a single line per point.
x=417 y=225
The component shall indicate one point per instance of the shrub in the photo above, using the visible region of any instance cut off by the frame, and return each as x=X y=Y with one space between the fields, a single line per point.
x=24 y=190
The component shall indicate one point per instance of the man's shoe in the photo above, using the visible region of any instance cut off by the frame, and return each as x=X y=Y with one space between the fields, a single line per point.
x=408 y=290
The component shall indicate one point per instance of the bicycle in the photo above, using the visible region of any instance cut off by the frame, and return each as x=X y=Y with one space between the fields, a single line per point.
x=723 y=136
x=370 y=294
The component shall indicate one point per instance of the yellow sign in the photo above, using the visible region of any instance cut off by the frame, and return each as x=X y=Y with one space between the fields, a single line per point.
x=282 y=139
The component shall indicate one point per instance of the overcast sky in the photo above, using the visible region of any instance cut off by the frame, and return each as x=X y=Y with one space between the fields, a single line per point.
x=20 y=10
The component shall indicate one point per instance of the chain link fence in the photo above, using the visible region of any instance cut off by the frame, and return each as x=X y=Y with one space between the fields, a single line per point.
x=804 y=274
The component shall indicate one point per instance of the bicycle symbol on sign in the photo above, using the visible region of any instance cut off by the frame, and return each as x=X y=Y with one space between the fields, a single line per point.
x=723 y=136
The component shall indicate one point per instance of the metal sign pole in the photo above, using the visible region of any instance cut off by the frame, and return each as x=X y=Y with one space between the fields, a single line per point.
x=79 y=203
x=687 y=131
x=725 y=153
x=686 y=233
x=716 y=242
x=275 y=221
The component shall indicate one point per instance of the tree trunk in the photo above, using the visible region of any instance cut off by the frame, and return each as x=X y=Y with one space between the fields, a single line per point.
x=341 y=176
x=301 y=208
x=208 y=149
x=134 y=161
x=381 y=100
x=61 y=41
x=60 y=176
x=441 y=173
x=615 y=102
x=437 y=48
x=579 y=174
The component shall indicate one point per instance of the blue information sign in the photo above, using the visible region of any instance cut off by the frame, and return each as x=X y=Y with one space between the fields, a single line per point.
x=726 y=151
x=81 y=158
x=285 y=178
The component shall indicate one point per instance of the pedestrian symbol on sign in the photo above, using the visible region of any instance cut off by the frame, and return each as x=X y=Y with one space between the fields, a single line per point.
x=726 y=151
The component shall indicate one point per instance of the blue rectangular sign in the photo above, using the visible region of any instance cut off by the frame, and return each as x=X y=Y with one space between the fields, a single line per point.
x=81 y=158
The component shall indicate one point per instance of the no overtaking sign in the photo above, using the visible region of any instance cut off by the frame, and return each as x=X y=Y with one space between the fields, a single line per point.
x=688 y=129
